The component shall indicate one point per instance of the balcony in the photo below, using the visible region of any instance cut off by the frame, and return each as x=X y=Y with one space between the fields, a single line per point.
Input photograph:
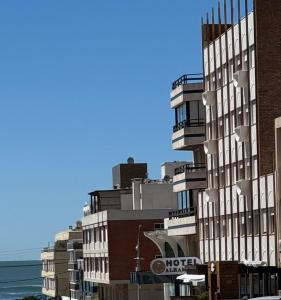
x=74 y=286
x=48 y=273
x=209 y=98
x=240 y=79
x=49 y=292
x=189 y=177
x=72 y=266
x=243 y=187
x=188 y=87
x=47 y=254
x=187 y=135
x=182 y=222
x=242 y=133
x=211 y=147
x=212 y=195
x=74 y=245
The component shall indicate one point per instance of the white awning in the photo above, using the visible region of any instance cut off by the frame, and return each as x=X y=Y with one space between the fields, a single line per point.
x=191 y=278
x=253 y=263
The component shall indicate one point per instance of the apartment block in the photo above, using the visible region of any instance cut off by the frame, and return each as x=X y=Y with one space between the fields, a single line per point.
x=75 y=267
x=237 y=211
x=55 y=264
x=111 y=223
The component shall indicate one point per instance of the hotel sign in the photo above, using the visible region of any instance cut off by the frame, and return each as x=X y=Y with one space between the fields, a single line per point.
x=173 y=265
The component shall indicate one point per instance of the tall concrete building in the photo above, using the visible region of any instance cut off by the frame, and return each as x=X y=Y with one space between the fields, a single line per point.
x=237 y=212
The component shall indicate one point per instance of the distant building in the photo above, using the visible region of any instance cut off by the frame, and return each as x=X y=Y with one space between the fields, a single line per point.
x=76 y=266
x=55 y=264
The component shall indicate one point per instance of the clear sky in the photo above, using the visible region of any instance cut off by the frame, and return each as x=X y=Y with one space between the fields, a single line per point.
x=84 y=85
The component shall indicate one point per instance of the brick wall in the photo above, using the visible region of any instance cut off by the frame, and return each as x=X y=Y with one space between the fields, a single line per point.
x=268 y=65
x=122 y=240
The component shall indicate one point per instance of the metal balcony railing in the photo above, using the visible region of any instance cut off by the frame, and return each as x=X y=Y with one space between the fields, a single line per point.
x=188 y=168
x=182 y=213
x=189 y=123
x=74 y=245
x=47 y=249
x=187 y=78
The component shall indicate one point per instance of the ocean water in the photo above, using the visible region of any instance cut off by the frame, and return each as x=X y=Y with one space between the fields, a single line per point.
x=12 y=279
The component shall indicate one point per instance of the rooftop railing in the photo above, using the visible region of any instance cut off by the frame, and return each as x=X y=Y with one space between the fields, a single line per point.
x=188 y=168
x=187 y=78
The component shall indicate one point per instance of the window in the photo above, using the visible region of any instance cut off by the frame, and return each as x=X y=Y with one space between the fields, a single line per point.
x=220 y=129
x=158 y=226
x=223 y=227
x=222 y=177
x=249 y=224
x=256 y=223
x=181 y=113
x=272 y=222
x=217 y=227
x=253 y=112
x=185 y=200
x=191 y=112
x=201 y=229
x=226 y=127
x=242 y=226
x=235 y=219
x=229 y=223
x=206 y=228
x=264 y=223
x=252 y=58
x=212 y=234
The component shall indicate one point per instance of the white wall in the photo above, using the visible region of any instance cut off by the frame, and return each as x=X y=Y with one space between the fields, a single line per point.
x=154 y=196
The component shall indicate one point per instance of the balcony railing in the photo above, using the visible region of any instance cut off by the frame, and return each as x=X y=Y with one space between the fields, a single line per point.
x=74 y=286
x=73 y=266
x=47 y=249
x=187 y=78
x=189 y=123
x=74 y=245
x=182 y=213
x=188 y=168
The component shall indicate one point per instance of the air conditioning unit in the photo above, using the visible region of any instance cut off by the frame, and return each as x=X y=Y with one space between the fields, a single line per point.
x=209 y=98
x=240 y=79
x=210 y=146
x=242 y=133
x=243 y=187
x=211 y=195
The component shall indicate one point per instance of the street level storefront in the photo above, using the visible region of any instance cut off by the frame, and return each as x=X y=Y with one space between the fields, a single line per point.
x=235 y=280
x=166 y=271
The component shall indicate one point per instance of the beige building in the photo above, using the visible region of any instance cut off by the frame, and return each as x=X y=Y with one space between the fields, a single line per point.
x=55 y=262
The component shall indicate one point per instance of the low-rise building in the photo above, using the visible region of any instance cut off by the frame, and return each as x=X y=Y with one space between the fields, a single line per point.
x=55 y=264
x=111 y=225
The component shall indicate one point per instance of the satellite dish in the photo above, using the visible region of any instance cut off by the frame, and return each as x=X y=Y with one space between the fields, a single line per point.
x=130 y=160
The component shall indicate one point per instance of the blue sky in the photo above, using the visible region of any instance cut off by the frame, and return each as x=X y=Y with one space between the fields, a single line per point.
x=83 y=85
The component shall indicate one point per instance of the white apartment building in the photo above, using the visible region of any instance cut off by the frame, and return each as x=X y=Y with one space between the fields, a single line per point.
x=237 y=211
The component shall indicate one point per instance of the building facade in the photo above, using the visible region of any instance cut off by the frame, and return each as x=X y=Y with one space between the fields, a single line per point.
x=111 y=223
x=237 y=211
x=75 y=268
x=55 y=264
